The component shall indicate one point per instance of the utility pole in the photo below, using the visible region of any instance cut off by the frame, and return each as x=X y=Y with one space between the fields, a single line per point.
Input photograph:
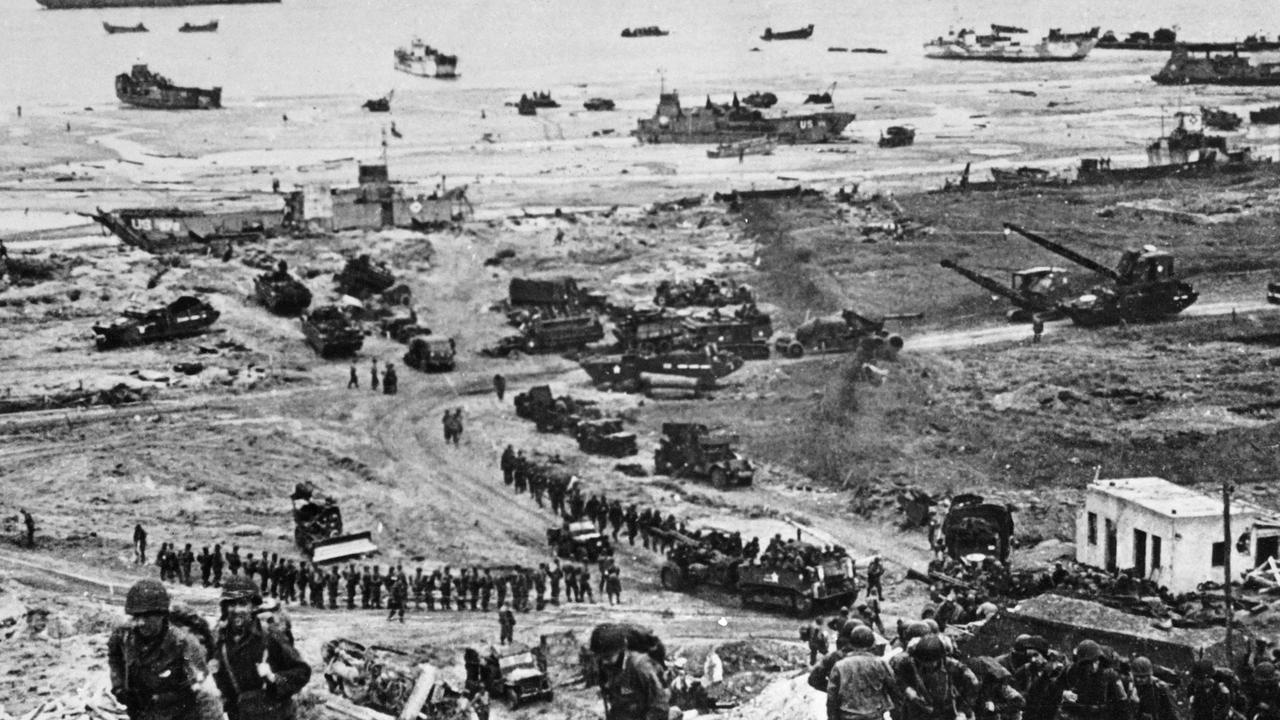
x=1226 y=563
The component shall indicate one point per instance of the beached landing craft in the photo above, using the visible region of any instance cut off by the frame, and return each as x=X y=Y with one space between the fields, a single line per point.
x=211 y=26
x=117 y=29
x=754 y=146
x=1183 y=69
x=722 y=124
x=803 y=33
x=143 y=88
x=425 y=61
x=1003 y=47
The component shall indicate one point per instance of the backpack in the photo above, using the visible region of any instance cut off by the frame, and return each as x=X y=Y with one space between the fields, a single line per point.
x=191 y=621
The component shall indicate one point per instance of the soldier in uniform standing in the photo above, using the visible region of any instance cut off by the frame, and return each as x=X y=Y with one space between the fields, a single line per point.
x=506 y=624
x=553 y=577
x=139 y=545
x=216 y=564
x=185 y=561
x=486 y=590
x=205 y=560
x=256 y=668
x=508 y=464
x=446 y=590
x=399 y=597
x=429 y=590
x=875 y=572
x=352 y=580
x=331 y=582
x=375 y=587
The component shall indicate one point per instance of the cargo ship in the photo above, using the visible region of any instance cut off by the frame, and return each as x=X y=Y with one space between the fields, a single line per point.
x=425 y=61
x=94 y=4
x=142 y=88
x=720 y=124
x=1183 y=69
x=1002 y=46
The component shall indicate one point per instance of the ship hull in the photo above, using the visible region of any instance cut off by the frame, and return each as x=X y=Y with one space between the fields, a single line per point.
x=175 y=99
x=791 y=130
x=94 y=4
x=427 y=69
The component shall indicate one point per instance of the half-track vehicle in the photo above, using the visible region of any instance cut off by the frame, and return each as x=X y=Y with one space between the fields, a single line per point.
x=185 y=316
x=691 y=564
x=515 y=673
x=1142 y=287
x=705 y=292
x=392 y=682
x=605 y=437
x=974 y=526
x=281 y=292
x=746 y=334
x=431 y=353
x=799 y=577
x=363 y=276
x=330 y=332
x=631 y=372
x=554 y=414
x=550 y=335
x=579 y=540
x=850 y=332
x=690 y=450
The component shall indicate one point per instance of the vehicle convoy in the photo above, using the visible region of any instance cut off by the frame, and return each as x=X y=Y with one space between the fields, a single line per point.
x=392 y=682
x=974 y=526
x=632 y=372
x=1034 y=292
x=605 y=436
x=550 y=335
x=798 y=577
x=145 y=89
x=431 y=353
x=578 y=540
x=280 y=292
x=690 y=450
x=188 y=315
x=363 y=276
x=705 y=292
x=331 y=333
x=848 y=332
x=714 y=124
x=554 y=414
x=1143 y=286
x=512 y=672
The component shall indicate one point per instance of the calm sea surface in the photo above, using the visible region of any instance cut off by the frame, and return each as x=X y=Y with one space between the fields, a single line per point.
x=309 y=48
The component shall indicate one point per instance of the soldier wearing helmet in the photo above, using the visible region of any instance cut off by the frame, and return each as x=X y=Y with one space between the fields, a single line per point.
x=1152 y=699
x=256 y=666
x=1211 y=692
x=933 y=684
x=861 y=686
x=157 y=668
x=1091 y=690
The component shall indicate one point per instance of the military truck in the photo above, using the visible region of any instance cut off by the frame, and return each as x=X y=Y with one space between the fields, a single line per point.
x=554 y=414
x=550 y=298
x=578 y=540
x=330 y=332
x=550 y=335
x=431 y=353
x=605 y=437
x=280 y=292
x=850 y=331
x=690 y=450
x=185 y=316
x=363 y=276
x=974 y=526
x=513 y=672
x=745 y=335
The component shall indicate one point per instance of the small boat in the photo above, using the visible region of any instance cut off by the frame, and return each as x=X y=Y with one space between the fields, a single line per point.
x=869 y=50
x=1024 y=175
x=425 y=61
x=650 y=31
x=1007 y=29
x=760 y=100
x=1220 y=119
x=382 y=104
x=898 y=136
x=540 y=100
x=211 y=26
x=822 y=98
x=803 y=33
x=117 y=29
x=754 y=146
x=598 y=104
x=1266 y=116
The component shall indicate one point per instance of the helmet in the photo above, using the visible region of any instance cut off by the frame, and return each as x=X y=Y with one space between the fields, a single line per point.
x=1088 y=650
x=846 y=630
x=239 y=587
x=932 y=625
x=146 y=596
x=1141 y=667
x=914 y=630
x=862 y=637
x=929 y=649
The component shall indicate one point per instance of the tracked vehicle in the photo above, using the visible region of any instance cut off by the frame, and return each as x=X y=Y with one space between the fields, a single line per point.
x=363 y=276
x=605 y=436
x=185 y=316
x=1034 y=292
x=280 y=292
x=331 y=333
x=1143 y=286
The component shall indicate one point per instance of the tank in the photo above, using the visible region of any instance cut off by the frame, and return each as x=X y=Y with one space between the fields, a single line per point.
x=280 y=292
x=331 y=333
x=188 y=315
x=363 y=276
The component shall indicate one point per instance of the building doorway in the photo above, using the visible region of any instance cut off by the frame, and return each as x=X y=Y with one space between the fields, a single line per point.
x=1140 y=552
x=1111 y=546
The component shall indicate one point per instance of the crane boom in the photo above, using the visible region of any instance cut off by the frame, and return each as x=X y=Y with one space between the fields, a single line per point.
x=1065 y=252
x=1021 y=300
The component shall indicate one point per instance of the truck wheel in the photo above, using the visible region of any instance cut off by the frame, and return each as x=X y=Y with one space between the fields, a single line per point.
x=795 y=350
x=718 y=479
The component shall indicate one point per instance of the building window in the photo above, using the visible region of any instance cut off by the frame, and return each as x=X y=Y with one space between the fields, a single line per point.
x=1093 y=528
x=1219 y=555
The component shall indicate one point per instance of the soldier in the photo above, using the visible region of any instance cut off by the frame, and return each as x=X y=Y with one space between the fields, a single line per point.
x=460 y=589
x=584 y=584
x=303 y=580
x=632 y=685
x=499 y=386
x=205 y=561
x=816 y=636
x=352 y=580
x=259 y=670
x=139 y=545
x=508 y=464
x=317 y=586
x=506 y=624
x=869 y=610
x=1037 y=329
x=446 y=590
x=288 y=581
x=429 y=590
x=1091 y=690
x=233 y=560
x=457 y=425
x=474 y=588
x=185 y=561
x=157 y=667
x=603 y=565
x=519 y=596
x=501 y=585
x=375 y=588
x=540 y=586
x=354 y=381
x=486 y=590
x=373 y=375
x=29 y=523
x=366 y=588
x=1152 y=699
x=632 y=520
x=390 y=383
x=536 y=485
x=613 y=585
x=934 y=684
x=860 y=685
x=616 y=516
x=875 y=571
x=399 y=597
x=417 y=586
x=331 y=582
x=554 y=574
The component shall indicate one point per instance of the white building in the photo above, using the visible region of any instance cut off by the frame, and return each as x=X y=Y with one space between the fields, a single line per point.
x=1171 y=534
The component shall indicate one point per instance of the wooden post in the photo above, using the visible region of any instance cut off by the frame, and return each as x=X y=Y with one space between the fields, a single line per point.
x=1228 y=548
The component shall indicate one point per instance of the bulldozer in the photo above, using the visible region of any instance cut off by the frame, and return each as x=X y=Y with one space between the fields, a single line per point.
x=317 y=527
x=1143 y=286
x=1034 y=292
x=690 y=450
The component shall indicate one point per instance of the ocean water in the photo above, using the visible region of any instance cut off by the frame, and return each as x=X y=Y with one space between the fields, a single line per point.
x=316 y=48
